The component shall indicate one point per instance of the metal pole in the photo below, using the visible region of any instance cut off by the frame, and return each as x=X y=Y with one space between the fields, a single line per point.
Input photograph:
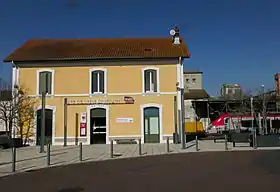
x=183 y=120
x=196 y=138
x=81 y=151
x=208 y=114
x=43 y=111
x=140 y=147
x=167 y=144
x=65 y=122
x=226 y=143
x=175 y=120
x=13 y=159
x=256 y=141
x=48 y=154
x=196 y=143
x=77 y=129
x=263 y=111
x=180 y=126
x=252 y=122
x=14 y=120
x=112 y=149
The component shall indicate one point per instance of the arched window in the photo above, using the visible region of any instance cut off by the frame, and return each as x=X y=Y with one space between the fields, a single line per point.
x=45 y=81
x=151 y=79
x=98 y=81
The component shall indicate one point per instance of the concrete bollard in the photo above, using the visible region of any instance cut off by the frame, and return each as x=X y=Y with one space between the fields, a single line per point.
x=140 y=147
x=112 y=149
x=13 y=159
x=81 y=151
x=48 y=154
x=167 y=144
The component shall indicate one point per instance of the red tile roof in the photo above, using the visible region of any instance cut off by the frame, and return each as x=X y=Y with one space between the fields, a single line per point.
x=118 y=48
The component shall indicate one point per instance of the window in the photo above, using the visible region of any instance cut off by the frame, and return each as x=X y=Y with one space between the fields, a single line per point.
x=248 y=123
x=187 y=80
x=151 y=80
x=193 y=80
x=97 y=84
x=45 y=80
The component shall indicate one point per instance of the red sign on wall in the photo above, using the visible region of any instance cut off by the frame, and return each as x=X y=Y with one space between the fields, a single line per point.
x=83 y=129
x=83 y=124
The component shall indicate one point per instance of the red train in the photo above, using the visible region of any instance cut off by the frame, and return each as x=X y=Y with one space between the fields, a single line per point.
x=243 y=122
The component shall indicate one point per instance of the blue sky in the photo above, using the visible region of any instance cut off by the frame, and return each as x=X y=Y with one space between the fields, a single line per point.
x=231 y=41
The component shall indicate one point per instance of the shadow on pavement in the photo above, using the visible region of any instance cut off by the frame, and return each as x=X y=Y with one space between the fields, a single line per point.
x=75 y=189
x=255 y=171
x=33 y=158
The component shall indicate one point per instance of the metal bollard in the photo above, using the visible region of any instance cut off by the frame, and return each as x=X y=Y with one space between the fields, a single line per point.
x=167 y=144
x=81 y=151
x=140 y=147
x=49 y=154
x=196 y=143
x=112 y=149
x=226 y=143
x=13 y=159
x=255 y=143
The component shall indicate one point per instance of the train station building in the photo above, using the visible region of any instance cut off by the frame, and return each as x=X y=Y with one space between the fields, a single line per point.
x=103 y=89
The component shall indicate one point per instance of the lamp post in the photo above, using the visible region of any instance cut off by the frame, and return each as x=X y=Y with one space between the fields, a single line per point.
x=42 y=140
x=43 y=115
x=263 y=110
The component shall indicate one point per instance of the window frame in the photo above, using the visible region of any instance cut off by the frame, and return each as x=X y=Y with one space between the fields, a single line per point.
x=90 y=81
x=52 y=71
x=157 y=79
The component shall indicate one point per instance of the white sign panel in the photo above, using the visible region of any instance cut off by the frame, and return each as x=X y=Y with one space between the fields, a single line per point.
x=83 y=117
x=124 y=120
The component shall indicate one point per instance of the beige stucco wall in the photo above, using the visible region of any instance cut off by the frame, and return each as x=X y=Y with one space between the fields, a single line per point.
x=121 y=81
x=115 y=111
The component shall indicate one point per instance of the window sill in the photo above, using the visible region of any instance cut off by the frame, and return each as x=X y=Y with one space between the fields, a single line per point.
x=48 y=95
x=97 y=94
x=151 y=93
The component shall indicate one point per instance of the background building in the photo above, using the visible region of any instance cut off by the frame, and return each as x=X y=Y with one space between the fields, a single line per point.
x=193 y=92
x=231 y=92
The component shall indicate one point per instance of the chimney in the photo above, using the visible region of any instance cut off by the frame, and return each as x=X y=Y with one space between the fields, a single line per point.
x=176 y=36
x=277 y=83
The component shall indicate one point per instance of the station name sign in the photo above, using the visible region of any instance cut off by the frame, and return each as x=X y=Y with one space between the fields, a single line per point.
x=125 y=100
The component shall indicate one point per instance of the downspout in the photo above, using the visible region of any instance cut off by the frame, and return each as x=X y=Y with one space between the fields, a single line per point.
x=179 y=105
x=181 y=85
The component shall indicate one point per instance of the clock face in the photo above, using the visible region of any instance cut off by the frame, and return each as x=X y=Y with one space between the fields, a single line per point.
x=172 y=32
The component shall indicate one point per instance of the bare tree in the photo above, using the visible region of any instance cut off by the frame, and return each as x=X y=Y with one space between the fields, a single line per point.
x=18 y=111
x=251 y=102
x=264 y=102
x=6 y=109
x=6 y=115
x=25 y=118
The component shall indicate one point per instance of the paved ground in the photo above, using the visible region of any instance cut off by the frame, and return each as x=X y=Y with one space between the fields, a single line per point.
x=251 y=171
x=29 y=159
